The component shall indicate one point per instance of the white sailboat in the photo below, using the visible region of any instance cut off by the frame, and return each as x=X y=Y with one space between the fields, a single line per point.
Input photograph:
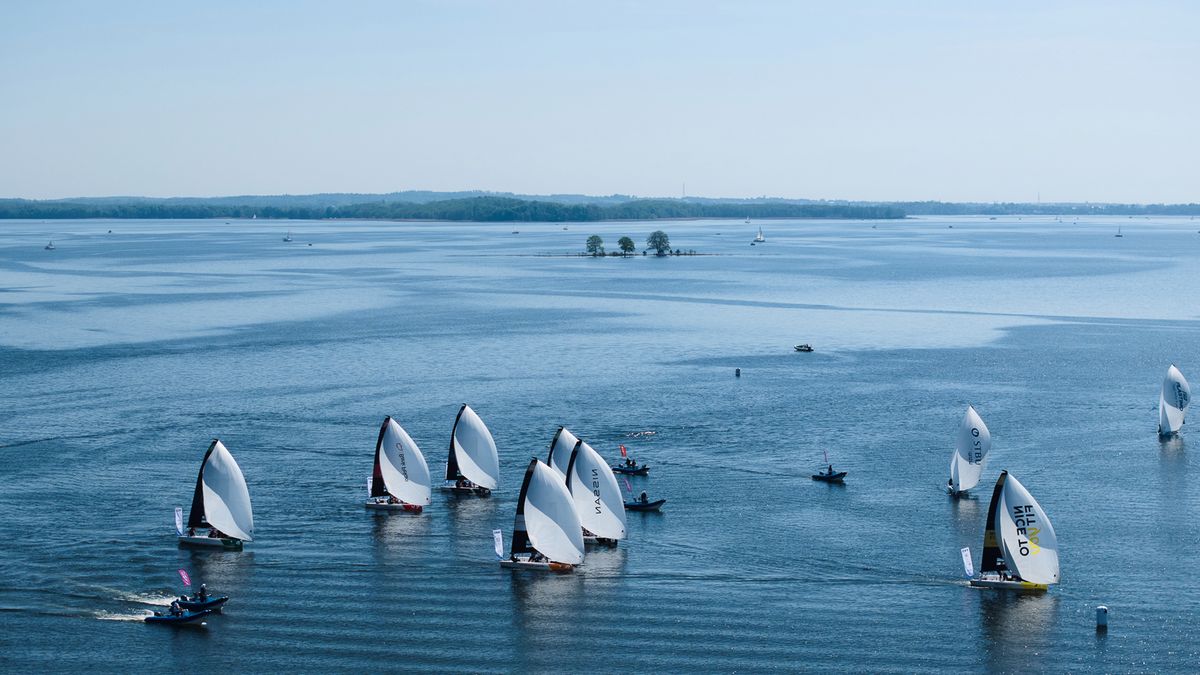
x=400 y=479
x=759 y=238
x=597 y=496
x=1173 y=403
x=221 y=516
x=560 y=451
x=50 y=246
x=970 y=453
x=473 y=465
x=1020 y=549
x=547 y=534
x=288 y=236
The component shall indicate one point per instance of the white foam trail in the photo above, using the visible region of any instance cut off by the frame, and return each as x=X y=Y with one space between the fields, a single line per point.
x=113 y=616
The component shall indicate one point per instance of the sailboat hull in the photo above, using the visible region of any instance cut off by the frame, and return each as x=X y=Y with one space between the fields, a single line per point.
x=590 y=540
x=519 y=564
x=405 y=508
x=451 y=487
x=210 y=542
x=1009 y=585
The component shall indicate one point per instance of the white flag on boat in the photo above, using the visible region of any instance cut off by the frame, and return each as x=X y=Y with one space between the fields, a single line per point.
x=370 y=484
x=179 y=520
x=498 y=536
x=967 y=566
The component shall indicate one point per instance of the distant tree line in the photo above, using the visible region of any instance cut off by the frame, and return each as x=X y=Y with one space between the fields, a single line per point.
x=484 y=209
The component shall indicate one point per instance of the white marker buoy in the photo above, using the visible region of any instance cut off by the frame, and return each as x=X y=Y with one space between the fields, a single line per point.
x=1101 y=618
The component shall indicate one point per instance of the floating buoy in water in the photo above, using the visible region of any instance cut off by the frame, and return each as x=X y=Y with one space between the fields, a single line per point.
x=737 y=372
x=1101 y=618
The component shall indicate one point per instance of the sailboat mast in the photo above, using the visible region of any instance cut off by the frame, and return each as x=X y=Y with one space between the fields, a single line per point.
x=993 y=555
x=196 y=515
x=520 y=536
x=378 y=488
x=452 y=472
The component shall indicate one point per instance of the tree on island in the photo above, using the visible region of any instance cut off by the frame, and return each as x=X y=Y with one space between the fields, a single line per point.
x=595 y=245
x=659 y=242
x=627 y=245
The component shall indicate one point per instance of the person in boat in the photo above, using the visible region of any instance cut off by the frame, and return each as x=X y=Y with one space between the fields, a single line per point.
x=460 y=483
x=202 y=594
x=830 y=472
x=644 y=498
x=392 y=499
x=191 y=532
x=176 y=610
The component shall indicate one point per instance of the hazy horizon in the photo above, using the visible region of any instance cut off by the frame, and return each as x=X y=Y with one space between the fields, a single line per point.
x=1067 y=102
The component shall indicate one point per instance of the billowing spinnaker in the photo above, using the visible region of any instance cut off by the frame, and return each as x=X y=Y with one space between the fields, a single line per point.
x=475 y=450
x=550 y=518
x=1173 y=403
x=970 y=452
x=1030 y=547
x=226 y=498
x=597 y=496
x=402 y=465
x=560 y=451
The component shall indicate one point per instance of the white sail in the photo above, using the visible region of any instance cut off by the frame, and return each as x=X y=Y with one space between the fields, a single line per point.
x=1026 y=535
x=597 y=497
x=560 y=451
x=550 y=519
x=475 y=450
x=1173 y=402
x=226 y=498
x=405 y=473
x=179 y=520
x=970 y=451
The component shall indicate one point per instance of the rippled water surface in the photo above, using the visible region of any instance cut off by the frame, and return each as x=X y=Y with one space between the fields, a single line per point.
x=123 y=353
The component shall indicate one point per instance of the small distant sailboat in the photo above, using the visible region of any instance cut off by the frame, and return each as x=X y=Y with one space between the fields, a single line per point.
x=288 y=236
x=220 y=504
x=560 y=451
x=970 y=454
x=400 y=479
x=597 y=496
x=759 y=238
x=1173 y=403
x=747 y=220
x=473 y=465
x=1118 y=234
x=50 y=246
x=547 y=533
x=1020 y=549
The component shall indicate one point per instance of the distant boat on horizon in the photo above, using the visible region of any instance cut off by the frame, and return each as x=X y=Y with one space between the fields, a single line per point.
x=1118 y=234
x=49 y=246
x=288 y=236
x=759 y=238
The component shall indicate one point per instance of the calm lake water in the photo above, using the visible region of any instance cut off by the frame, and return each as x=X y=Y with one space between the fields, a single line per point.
x=123 y=353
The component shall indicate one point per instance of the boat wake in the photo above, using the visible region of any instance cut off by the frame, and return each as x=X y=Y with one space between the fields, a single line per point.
x=115 y=616
x=157 y=599
x=640 y=434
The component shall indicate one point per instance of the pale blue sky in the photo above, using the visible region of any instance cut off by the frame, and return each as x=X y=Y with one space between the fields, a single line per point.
x=1080 y=101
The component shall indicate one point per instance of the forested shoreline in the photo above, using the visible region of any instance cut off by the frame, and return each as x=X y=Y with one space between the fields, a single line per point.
x=494 y=208
x=483 y=209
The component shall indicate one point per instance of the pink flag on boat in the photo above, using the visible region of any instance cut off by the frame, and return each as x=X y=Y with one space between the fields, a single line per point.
x=624 y=453
x=627 y=485
x=187 y=581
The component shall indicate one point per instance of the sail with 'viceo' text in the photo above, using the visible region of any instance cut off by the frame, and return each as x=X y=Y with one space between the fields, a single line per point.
x=1173 y=402
x=596 y=494
x=400 y=469
x=970 y=452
